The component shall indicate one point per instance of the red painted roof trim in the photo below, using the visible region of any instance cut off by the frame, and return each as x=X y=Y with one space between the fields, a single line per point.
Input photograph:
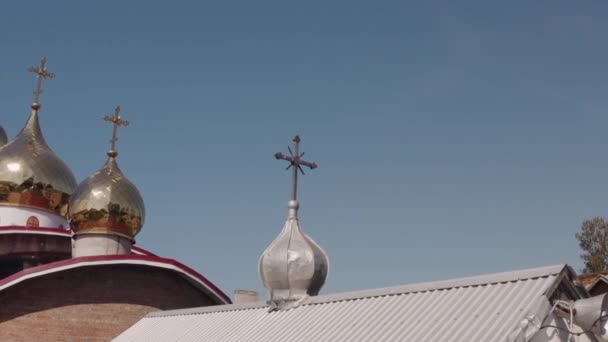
x=125 y=257
x=62 y=231
x=142 y=251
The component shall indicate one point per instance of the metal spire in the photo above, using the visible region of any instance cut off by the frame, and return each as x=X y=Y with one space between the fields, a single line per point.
x=3 y=137
x=116 y=122
x=294 y=159
x=41 y=73
x=293 y=267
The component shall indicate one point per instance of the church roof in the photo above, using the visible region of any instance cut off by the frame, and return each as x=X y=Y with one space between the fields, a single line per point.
x=139 y=257
x=483 y=308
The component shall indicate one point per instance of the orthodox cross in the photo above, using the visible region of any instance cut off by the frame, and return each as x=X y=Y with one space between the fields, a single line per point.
x=41 y=73
x=116 y=121
x=294 y=159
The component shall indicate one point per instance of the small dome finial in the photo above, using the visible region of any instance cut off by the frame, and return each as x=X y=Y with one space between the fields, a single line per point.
x=41 y=73
x=293 y=267
x=116 y=122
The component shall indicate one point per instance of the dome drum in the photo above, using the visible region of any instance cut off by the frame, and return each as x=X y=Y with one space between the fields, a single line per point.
x=31 y=217
x=90 y=244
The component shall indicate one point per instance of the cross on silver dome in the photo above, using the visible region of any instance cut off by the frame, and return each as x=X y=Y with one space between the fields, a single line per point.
x=293 y=267
x=295 y=161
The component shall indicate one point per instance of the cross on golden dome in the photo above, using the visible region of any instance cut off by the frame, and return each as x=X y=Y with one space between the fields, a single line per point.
x=41 y=73
x=116 y=121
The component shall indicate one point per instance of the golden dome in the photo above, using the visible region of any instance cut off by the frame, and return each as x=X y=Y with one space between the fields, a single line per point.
x=107 y=203
x=3 y=138
x=31 y=175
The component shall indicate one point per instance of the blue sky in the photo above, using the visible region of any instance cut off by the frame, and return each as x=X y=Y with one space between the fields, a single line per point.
x=452 y=140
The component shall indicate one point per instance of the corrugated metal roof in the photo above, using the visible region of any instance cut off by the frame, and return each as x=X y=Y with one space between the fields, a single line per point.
x=484 y=308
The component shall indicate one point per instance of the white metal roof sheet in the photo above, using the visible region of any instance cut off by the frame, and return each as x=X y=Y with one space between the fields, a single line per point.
x=485 y=308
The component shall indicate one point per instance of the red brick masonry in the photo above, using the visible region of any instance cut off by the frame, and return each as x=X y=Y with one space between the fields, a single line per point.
x=94 y=302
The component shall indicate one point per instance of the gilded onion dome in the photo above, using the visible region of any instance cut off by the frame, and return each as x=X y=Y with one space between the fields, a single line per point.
x=3 y=138
x=31 y=175
x=107 y=202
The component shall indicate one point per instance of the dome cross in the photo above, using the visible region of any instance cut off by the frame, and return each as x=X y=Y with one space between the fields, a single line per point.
x=41 y=73
x=295 y=160
x=116 y=121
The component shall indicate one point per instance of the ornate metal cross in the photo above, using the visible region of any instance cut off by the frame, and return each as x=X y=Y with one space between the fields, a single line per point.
x=294 y=159
x=116 y=121
x=41 y=73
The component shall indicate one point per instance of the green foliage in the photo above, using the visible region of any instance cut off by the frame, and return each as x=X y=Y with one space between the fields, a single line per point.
x=593 y=240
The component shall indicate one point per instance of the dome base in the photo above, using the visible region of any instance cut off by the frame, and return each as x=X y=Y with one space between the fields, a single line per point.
x=30 y=217
x=100 y=244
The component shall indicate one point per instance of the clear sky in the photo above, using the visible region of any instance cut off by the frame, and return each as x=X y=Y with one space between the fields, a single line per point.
x=452 y=140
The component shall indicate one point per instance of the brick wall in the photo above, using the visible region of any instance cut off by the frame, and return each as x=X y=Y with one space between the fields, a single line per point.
x=93 y=303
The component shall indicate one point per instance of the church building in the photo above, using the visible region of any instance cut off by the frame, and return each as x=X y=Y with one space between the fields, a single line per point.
x=70 y=271
x=69 y=267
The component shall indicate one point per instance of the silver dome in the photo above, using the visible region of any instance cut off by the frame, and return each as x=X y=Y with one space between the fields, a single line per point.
x=293 y=267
